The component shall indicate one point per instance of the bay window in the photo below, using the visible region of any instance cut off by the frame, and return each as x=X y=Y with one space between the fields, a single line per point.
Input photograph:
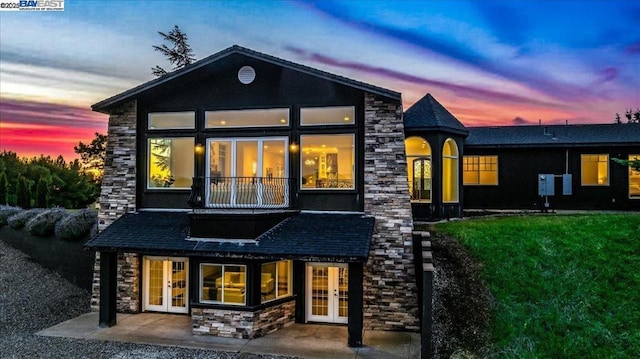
x=223 y=283
x=275 y=280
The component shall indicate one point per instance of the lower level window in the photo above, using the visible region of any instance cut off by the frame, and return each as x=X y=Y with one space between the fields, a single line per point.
x=220 y=283
x=595 y=170
x=480 y=170
x=275 y=280
x=634 y=179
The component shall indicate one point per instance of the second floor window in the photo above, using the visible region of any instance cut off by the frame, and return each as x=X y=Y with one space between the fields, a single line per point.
x=327 y=161
x=170 y=162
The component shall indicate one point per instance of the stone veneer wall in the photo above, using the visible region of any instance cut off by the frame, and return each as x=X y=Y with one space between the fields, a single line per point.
x=118 y=196
x=241 y=324
x=390 y=292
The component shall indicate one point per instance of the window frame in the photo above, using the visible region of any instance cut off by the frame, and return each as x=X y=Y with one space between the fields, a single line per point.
x=479 y=171
x=344 y=123
x=277 y=281
x=632 y=172
x=455 y=166
x=150 y=114
x=354 y=170
x=223 y=265
x=582 y=162
x=148 y=186
x=248 y=110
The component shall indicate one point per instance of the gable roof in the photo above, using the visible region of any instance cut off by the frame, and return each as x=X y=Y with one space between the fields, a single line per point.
x=429 y=114
x=323 y=236
x=103 y=105
x=554 y=136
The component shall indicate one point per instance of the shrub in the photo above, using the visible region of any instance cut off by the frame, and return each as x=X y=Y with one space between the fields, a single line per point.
x=44 y=224
x=76 y=225
x=20 y=219
x=6 y=212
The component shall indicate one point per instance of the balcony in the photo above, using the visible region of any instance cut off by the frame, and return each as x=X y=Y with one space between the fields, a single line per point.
x=240 y=192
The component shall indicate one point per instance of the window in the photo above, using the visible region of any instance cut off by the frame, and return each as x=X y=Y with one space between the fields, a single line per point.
x=312 y=116
x=634 y=179
x=223 y=283
x=248 y=172
x=170 y=162
x=247 y=118
x=172 y=120
x=480 y=170
x=595 y=170
x=450 y=171
x=419 y=168
x=327 y=161
x=275 y=280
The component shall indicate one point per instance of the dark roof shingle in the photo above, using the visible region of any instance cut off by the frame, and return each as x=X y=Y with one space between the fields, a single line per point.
x=428 y=113
x=554 y=136
x=335 y=237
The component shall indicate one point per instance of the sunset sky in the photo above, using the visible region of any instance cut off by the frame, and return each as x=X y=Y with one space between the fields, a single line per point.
x=488 y=62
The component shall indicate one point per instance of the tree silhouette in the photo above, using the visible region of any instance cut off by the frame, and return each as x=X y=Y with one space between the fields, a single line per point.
x=179 y=54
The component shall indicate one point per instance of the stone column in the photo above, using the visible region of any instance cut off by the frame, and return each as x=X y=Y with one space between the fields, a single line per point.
x=118 y=196
x=390 y=292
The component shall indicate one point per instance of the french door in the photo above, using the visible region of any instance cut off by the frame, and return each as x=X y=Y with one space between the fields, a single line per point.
x=327 y=292
x=421 y=184
x=165 y=284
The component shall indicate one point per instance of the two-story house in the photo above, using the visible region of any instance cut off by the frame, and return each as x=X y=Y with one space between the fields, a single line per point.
x=250 y=193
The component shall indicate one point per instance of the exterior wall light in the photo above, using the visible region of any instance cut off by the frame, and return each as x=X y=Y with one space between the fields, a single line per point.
x=293 y=147
x=199 y=149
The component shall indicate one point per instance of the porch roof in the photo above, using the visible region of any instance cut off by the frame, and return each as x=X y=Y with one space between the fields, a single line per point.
x=313 y=236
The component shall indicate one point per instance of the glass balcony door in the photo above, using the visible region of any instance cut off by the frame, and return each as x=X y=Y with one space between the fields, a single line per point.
x=247 y=172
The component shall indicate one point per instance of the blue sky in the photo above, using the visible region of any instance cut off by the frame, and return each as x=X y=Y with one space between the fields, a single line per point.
x=489 y=62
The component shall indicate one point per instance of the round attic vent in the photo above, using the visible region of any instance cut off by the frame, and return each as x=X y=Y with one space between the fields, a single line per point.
x=246 y=75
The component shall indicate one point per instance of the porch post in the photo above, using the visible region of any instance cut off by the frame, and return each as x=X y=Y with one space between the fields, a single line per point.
x=108 y=288
x=355 y=324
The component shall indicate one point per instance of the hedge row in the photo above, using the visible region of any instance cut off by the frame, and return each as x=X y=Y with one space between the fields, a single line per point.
x=42 y=222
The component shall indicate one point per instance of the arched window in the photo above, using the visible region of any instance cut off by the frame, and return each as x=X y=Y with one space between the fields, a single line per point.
x=419 y=168
x=450 y=171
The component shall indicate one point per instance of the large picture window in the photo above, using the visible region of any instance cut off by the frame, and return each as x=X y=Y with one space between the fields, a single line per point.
x=450 y=171
x=313 y=116
x=480 y=170
x=275 y=280
x=170 y=162
x=595 y=170
x=247 y=118
x=327 y=161
x=223 y=283
x=634 y=179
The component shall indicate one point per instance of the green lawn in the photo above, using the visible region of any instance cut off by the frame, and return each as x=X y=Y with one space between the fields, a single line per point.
x=565 y=286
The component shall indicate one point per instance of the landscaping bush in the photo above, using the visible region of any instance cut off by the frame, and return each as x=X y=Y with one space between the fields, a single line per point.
x=44 y=224
x=20 y=219
x=6 y=212
x=76 y=225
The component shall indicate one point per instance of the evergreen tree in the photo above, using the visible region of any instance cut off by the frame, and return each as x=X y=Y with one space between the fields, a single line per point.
x=92 y=156
x=24 y=192
x=4 y=189
x=179 y=54
x=42 y=190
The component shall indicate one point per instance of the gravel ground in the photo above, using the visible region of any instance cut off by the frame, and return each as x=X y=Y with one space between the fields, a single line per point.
x=34 y=298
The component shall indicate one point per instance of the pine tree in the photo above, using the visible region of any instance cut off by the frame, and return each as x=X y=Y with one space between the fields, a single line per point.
x=4 y=189
x=42 y=190
x=179 y=54
x=23 y=192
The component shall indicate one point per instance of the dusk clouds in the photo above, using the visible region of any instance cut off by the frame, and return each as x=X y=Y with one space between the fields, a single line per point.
x=489 y=62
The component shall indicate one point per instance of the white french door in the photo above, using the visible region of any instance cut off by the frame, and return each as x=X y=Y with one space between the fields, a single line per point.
x=165 y=284
x=327 y=292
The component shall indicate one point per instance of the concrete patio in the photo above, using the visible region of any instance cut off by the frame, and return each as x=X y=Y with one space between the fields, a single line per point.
x=301 y=340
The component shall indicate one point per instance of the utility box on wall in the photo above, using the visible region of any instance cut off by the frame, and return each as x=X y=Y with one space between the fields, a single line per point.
x=566 y=185
x=546 y=185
